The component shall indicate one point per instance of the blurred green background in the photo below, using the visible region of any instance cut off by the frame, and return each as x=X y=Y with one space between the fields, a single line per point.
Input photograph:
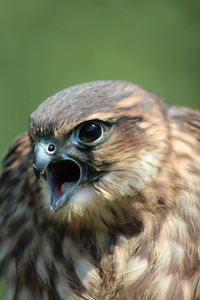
x=48 y=45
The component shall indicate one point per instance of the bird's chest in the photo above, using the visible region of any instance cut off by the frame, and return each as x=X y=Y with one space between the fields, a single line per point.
x=122 y=274
x=102 y=280
x=63 y=271
x=116 y=275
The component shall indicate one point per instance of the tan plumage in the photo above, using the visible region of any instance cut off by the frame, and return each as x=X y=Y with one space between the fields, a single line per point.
x=121 y=171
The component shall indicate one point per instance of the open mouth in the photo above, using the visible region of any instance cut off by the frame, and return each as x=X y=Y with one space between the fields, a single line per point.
x=63 y=177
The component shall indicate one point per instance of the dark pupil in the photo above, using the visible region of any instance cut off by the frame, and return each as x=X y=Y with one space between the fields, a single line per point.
x=90 y=133
x=51 y=147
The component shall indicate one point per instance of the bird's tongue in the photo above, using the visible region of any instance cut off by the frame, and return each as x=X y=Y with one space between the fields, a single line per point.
x=60 y=188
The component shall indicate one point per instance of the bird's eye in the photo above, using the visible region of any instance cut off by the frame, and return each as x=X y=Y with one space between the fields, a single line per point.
x=51 y=148
x=90 y=133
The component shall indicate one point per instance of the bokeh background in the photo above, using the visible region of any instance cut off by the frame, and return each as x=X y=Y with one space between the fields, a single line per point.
x=48 y=45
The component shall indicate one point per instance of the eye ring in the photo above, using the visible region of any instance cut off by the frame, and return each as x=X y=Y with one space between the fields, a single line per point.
x=51 y=148
x=89 y=133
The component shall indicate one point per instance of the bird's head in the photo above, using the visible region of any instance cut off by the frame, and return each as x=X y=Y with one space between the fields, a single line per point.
x=96 y=146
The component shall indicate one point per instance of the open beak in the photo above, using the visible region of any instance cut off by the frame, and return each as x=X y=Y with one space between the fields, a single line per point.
x=62 y=176
x=62 y=173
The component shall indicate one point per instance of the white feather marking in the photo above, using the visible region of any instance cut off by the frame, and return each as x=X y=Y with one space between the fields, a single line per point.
x=145 y=168
x=135 y=268
x=87 y=273
x=63 y=288
x=162 y=285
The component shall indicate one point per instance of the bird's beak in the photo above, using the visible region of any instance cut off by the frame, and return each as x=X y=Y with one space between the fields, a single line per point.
x=62 y=173
x=41 y=160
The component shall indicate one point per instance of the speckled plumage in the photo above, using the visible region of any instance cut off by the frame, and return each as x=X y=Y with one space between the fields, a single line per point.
x=134 y=232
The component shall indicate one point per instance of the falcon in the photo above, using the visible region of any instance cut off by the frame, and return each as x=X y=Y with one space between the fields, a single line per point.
x=101 y=199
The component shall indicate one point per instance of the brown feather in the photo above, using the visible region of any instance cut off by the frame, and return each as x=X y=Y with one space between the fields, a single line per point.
x=137 y=236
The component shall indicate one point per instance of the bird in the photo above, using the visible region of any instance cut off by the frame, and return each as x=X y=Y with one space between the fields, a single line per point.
x=100 y=198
